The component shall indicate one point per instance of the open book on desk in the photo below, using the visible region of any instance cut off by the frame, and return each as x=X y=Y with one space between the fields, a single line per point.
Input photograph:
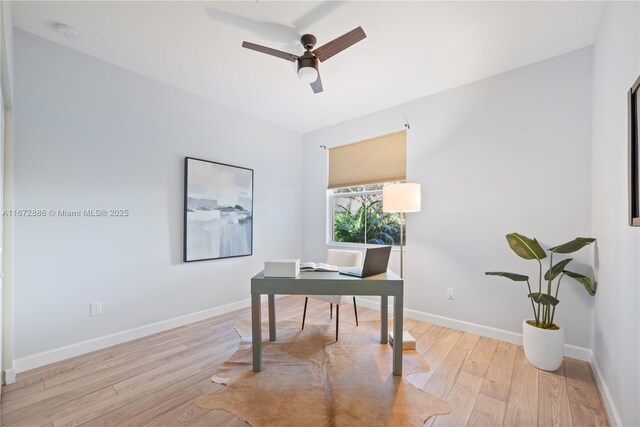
x=312 y=266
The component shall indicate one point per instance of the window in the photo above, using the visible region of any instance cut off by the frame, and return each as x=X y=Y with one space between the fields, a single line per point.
x=357 y=217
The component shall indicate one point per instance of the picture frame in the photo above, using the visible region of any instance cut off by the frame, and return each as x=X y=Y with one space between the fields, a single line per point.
x=218 y=210
x=634 y=154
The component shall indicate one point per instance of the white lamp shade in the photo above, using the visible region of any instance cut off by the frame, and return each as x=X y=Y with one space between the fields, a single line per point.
x=403 y=197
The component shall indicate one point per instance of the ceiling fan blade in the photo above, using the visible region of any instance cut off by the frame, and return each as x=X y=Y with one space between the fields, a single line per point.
x=317 y=85
x=338 y=45
x=269 y=51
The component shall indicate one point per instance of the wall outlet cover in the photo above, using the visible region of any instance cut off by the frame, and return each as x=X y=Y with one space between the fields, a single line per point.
x=96 y=308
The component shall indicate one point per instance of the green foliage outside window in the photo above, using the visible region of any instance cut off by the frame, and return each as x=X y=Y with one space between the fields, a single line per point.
x=360 y=219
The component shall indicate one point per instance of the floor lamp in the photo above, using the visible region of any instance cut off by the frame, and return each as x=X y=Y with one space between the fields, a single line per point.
x=402 y=198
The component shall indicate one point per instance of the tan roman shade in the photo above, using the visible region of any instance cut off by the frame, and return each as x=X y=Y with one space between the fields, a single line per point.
x=380 y=159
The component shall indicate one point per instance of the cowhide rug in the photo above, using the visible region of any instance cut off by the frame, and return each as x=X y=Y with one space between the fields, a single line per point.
x=309 y=379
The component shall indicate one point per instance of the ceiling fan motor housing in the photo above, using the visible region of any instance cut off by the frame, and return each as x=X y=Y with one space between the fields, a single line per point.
x=308 y=59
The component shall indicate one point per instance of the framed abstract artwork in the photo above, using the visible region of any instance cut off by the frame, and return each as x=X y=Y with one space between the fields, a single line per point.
x=634 y=155
x=218 y=210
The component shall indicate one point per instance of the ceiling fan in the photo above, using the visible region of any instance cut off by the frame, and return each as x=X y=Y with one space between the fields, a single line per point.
x=308 y=61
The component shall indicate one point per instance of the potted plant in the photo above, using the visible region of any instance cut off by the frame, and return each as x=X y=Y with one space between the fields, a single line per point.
x=543 y=340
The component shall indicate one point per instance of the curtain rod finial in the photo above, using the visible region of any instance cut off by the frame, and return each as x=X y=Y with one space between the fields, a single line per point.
x=406 y=123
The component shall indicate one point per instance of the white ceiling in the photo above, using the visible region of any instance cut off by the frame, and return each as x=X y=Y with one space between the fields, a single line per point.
x=412 y=49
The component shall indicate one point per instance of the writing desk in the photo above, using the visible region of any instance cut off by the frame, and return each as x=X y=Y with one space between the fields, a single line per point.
x=328 y=283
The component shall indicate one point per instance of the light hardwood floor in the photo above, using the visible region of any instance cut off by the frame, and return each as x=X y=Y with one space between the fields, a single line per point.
x=155 y=380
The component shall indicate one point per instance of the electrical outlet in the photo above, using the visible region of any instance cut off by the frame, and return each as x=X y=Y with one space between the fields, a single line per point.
x=449 y=293
x=96 y=308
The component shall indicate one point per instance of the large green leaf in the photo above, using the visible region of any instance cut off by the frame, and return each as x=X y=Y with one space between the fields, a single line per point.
x=525 y=247
x=513 y=276
x=572 y=246
x=553 y=272
x=586 y=282
x=542 y=298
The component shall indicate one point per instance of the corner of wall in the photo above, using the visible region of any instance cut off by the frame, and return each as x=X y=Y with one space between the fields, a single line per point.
x=6 y=321
x=6 y=84
x=612 y=411
x=7 y=52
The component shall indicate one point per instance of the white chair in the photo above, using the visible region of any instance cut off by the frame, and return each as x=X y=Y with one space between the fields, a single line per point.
x=341 y=258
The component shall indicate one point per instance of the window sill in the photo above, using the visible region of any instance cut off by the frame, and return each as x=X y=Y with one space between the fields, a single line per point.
x=394 y=248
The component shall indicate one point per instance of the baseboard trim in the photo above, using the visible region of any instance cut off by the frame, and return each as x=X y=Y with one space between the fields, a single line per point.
x=612 y=411
x=57 y=354
x=9 y=376
x=573 y=351
x=77 y=349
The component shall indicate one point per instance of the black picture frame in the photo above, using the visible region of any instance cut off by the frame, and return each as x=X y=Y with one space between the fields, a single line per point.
x=634 y=155
x=242 y=216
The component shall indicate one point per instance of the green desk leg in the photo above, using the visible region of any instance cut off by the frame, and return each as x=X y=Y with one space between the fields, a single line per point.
x=384 y=319
x=397 y=335
x=272 y=317
x=256 y=332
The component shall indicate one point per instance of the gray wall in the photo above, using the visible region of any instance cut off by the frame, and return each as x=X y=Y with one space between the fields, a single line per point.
x=616 y=65
x=92 y=135
x=509 y=153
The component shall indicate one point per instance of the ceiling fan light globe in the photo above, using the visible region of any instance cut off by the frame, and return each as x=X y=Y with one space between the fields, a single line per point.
x=308 y=74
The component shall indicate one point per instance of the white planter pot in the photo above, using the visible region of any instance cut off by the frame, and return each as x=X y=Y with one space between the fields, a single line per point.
x=544 y=348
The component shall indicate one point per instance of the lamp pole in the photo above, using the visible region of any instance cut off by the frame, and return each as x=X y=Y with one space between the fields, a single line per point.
x=401 y=244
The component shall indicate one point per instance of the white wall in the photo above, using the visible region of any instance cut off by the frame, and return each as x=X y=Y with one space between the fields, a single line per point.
x=616 y=65
x=91 y=135
x=509 y=153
